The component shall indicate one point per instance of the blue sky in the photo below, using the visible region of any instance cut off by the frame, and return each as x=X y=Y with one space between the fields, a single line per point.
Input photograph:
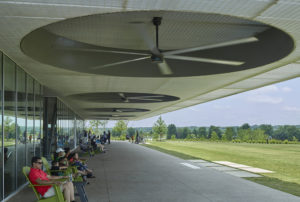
x=275 y=104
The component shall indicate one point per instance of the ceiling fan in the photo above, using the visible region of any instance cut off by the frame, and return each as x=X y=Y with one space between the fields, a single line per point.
x=158 y=57
x=153 y=98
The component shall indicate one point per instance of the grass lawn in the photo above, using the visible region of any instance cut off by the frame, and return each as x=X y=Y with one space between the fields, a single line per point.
x=283 y=159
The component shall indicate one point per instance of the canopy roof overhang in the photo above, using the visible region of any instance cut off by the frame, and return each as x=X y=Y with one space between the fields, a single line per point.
x=31 y=29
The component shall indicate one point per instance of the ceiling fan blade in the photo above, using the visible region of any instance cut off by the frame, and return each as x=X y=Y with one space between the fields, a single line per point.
x=149 y=99
x=164 y=68
x=217 y=45
x=123 y=97
x=102 y=51
x=119 y=63
x=207 y=60
x=147 y=96
x=145 y=34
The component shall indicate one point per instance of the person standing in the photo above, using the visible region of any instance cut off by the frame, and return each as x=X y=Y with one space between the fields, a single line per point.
x=108 y=136
x=137 y=137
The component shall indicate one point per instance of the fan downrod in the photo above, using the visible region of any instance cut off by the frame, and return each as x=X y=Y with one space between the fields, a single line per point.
x=156 y=58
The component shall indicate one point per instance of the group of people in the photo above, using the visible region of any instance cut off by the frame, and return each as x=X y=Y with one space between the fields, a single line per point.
x=138 y=139
x=62 y=159
x=91 y=143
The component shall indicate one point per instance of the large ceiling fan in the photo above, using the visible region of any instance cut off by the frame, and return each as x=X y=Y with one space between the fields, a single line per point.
x=152 y=98
x=158 y=57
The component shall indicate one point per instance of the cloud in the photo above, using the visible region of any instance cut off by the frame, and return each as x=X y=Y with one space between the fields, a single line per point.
x=265 y=99
x=266 y=89
x=286 y=89
x=221 y=107
x=193 y=109
x=292 y=109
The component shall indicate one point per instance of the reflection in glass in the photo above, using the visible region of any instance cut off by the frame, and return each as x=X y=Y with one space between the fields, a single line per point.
x=30 y=116
x=21 y=122
x=37 y=119
x=9 y=126
x=1 y=160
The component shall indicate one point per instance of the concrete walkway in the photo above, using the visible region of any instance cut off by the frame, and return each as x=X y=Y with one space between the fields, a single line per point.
x=133 y=173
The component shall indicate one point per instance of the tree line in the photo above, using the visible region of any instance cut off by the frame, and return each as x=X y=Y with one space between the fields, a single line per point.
x=264 y=133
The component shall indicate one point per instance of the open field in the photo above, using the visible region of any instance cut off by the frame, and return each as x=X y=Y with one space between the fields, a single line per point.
x=284 y=160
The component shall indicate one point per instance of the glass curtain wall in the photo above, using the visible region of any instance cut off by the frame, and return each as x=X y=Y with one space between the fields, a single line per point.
x=21 y=122
x=68 y=126
x=21 y=109
x=1 y=122
x=9 y=125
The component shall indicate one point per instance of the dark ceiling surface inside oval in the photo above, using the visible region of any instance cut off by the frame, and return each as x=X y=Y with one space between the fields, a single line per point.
x=123 y=97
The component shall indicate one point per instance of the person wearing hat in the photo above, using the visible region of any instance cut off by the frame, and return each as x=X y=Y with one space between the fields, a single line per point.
x=63 y=161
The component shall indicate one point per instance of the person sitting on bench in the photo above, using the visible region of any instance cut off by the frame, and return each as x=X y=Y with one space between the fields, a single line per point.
x=38 y=176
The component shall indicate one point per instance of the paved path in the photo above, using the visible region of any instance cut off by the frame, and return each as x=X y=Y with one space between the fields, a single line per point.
x=133 y=173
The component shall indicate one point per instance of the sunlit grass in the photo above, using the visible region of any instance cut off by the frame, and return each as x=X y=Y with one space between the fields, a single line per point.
x=284 y=160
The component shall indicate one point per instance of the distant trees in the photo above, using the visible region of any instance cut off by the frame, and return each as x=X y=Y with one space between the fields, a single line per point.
x=214 y=129
x=120 y=129
x=202 y=133
x=172 y=130
x=96 y=125
x=268 y=129
x=130 y=131
x=229 y=134
x=245 y=133
x=245 y=126
x=287 y=133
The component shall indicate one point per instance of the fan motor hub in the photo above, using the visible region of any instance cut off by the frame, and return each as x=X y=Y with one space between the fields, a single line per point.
x=157 y=58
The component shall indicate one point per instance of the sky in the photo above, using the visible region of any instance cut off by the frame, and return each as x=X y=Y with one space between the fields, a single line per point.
x=276 y=104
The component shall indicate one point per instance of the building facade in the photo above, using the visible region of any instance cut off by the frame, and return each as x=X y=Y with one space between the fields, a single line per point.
x=22 y=125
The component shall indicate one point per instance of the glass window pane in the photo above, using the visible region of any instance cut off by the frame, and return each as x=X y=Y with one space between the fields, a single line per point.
x=37 y=119
x=9 y=126
x=21 y=126
x=1 y=160
x=30 y=115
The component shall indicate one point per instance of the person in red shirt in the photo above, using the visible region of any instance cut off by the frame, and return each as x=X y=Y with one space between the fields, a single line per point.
x=38 y=176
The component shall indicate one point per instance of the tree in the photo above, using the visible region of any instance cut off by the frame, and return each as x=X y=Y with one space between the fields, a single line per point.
x=160 y=127
x=258 y=134
x=9 y=127
x=245 y=126
x=202 y=132
x=268 y=129
x=185 y=132
x=96 y=125
x=130 y=131
x=214 y=129
x=120 y=128
x=195 y=132
x=171 y=131
x=214 y=136
x=244 y=134
x=103 y=123
x=190 y=136
x=287 y=132
x=229 y=133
